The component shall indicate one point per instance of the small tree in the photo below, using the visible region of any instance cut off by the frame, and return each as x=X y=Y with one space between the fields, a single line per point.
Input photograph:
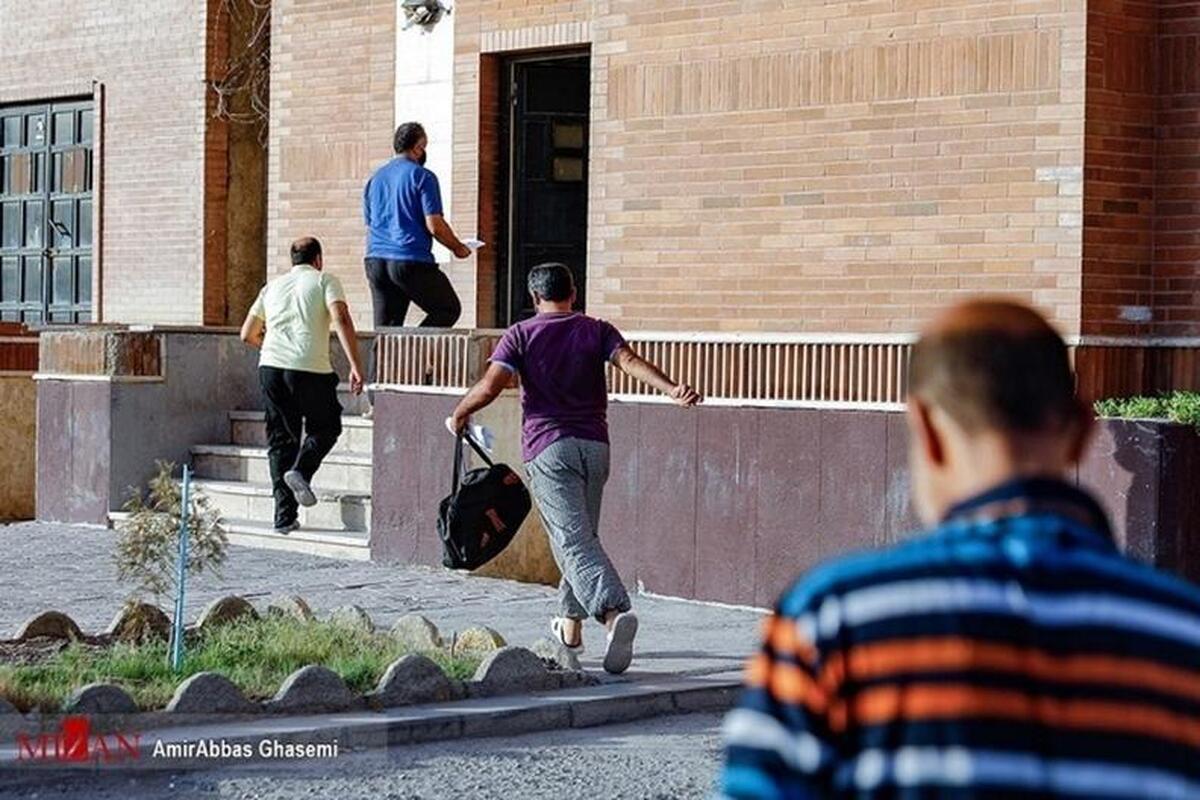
x=148 y=541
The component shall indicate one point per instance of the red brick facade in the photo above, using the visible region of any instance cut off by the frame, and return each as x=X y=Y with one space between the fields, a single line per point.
x=754 y=167
x=1141 y=257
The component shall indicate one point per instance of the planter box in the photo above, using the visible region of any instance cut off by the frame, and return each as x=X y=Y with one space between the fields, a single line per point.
x=1146 y=473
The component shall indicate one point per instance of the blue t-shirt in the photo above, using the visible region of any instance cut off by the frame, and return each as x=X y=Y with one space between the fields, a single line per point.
x=396 y=201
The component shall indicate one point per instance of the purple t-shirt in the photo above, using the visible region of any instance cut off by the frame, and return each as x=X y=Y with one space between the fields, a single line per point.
x=560 y=358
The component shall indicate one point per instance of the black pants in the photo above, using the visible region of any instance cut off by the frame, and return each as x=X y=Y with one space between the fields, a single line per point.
x=304 y=420
x=396 y=284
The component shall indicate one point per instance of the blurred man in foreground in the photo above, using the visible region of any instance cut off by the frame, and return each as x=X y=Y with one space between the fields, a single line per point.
x=1009 y=652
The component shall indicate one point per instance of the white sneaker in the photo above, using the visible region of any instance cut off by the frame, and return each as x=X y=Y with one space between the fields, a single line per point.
x=300 y=488
x=557 y=624
x=619 y=654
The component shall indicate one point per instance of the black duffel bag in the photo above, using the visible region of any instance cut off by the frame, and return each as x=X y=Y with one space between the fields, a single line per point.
x=483 y=513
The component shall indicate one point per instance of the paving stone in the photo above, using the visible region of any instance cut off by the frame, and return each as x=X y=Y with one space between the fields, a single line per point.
x=513 y=669
x=51 y=624
x=479 y=640
x=210 y=693
x=352 y=617
x=100 y=698
x=313 y=689
x=556 y=652
x=417 y=633
x=292 y=605
x=7 y=707
x=411 y=680
x=139 y=622
x=225 y=609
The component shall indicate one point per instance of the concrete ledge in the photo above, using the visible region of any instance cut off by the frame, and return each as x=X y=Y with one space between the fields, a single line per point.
x=502 y=716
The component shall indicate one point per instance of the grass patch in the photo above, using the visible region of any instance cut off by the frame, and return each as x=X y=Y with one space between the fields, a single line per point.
x=1183 y=407
x=257 y=655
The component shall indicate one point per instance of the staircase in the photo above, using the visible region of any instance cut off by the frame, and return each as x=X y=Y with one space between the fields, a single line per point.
x=237 y=480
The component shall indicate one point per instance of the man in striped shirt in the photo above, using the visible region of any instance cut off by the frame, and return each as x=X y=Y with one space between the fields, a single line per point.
x=1009 y=652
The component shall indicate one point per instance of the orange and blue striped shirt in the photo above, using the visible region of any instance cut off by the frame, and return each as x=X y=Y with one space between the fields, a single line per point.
x=1013 y=652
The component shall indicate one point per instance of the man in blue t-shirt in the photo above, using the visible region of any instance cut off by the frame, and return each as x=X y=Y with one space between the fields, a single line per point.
x=402 y=208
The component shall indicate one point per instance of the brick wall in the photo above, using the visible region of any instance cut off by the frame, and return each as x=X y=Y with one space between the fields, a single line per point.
x=1177 y=171
x=1141 y=258
x=775 y=166
x=332 y=80
x=1118 y=250
x=150 y=59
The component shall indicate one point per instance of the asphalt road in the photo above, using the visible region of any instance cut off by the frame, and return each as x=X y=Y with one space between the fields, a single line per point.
x=669 y=758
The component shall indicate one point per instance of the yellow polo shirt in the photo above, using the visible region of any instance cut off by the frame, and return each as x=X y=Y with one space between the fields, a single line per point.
x=297 y=310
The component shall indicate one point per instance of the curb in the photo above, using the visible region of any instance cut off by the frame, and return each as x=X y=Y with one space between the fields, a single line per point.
x=512 y=715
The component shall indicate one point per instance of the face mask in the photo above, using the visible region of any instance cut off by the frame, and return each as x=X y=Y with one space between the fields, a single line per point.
x=421 y=160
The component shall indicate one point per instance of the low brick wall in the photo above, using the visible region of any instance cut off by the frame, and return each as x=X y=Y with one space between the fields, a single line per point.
x=732 y=503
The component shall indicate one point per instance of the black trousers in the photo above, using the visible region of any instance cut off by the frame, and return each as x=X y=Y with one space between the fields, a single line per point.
x=304 y=420
x=396 y=284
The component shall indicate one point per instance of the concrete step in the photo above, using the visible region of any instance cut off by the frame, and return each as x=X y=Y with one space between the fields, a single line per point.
x=347 y=472
x=347 y=545
x=335 y=510
x=248 y=428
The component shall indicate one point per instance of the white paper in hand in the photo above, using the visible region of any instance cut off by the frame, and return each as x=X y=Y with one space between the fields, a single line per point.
x=474 y=244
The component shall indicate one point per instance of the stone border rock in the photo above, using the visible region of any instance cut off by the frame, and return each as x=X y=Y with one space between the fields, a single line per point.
x=413 y=679
x=51 y=624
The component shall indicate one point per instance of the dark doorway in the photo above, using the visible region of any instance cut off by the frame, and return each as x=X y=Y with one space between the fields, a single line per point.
x=546 y=176
x=46 y=212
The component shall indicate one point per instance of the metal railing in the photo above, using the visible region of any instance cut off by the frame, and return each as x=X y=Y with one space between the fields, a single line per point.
x=846 y=370
x=816 y=371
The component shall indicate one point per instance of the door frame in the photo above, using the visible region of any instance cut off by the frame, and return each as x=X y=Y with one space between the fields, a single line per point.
x=507 y=164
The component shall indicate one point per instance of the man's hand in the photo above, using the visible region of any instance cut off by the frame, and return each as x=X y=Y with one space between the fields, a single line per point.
x=456 y=424
x=685 y=395
x=462 y=251
x=356 y=381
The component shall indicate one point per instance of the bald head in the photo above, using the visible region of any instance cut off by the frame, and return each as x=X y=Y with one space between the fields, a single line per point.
x=307 y=250
x=995 y=365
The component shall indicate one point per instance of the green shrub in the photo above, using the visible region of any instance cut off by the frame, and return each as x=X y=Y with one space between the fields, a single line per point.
x=148 y=541
x=1183 y=407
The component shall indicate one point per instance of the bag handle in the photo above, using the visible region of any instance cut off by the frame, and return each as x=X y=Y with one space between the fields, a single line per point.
x=464 y=435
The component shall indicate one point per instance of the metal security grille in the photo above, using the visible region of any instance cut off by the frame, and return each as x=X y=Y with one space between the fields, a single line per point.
x=849 y=371
x=814 y=371
x=46 y=212
x=789 y=370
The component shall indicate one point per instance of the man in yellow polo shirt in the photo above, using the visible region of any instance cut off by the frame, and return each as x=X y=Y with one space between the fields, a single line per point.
x=289 y=323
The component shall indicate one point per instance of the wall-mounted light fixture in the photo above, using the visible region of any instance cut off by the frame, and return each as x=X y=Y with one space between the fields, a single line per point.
x=424 y=14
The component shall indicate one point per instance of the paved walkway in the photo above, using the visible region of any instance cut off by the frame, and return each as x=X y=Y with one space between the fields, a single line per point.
x=71 y=569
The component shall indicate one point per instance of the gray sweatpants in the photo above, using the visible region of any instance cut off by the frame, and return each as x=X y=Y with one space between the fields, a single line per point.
x=567 y=480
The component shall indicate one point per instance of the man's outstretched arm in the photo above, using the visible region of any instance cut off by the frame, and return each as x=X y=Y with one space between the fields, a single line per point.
x=489 y=387
x=343 y=325
x=637 y=367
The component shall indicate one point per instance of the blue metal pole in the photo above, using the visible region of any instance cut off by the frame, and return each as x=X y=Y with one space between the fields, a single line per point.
x=181 y=577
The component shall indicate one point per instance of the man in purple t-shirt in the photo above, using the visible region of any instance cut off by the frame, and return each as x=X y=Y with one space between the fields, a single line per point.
x=561 y=357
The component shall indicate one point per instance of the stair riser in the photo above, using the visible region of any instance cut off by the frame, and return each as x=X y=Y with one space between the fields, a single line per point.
x=253 y=433
x=346 y=515
x=347 y=477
